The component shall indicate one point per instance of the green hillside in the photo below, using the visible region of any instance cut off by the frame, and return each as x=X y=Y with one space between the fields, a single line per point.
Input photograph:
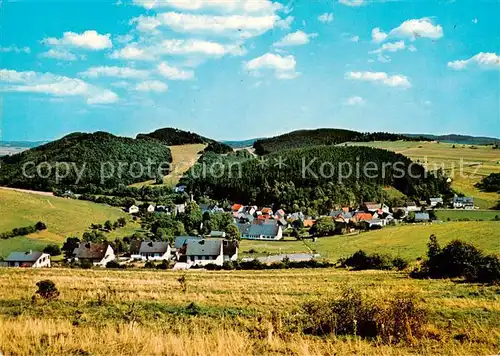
x=63 y=217
x=103 y=159
x=172 y=137
x=407 y=241
x=308 y=138
x=282 y=181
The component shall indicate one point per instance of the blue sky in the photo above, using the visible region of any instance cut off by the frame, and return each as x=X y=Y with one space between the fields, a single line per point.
x=236 y=69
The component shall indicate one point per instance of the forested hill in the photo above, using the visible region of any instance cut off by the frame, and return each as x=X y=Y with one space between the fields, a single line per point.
x=462 y=139
x=98 y=158
x=297 y=183
x=172 y=137
x=308 y=138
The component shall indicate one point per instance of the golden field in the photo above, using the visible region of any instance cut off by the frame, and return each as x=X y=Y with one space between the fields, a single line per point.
x=144 y=312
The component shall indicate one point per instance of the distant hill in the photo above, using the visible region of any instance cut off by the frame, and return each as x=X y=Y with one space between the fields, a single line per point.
x=463 y=139
x=103 y=159
x=242 y=143
x=22 y=144
x=308 y=138
x=172 y=137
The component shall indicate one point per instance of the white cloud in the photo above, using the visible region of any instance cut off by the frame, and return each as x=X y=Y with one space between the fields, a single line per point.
x=396 y=80
x=56 y=85
x=124 y=38
x=60 y=54
x=417 y=28
x=179 y=47
x=297 y=38
x=242 y=26
x=352 y=2
x=326 y=17
x=226 y=6
x=378 y=36
x=354 y=39
x=88 y=40
x=152 y=86
x=412 y=48
x=474 y=21
x=390 y=47
x=117 y=72
x=482 y=60
x=15 y=49
x=283 y=66
x=355 y=100
x=174 y=73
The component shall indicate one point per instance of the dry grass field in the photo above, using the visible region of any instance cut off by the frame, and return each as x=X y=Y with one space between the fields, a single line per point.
x=103 y=312
x=465 y=164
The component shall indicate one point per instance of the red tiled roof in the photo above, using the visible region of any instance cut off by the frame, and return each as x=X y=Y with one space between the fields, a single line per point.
x=236 y=207
x=266 y=210
x=363 y=216
x=309 y=222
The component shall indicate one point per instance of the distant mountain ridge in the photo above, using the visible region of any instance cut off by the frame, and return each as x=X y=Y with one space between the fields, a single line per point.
x=22 y=144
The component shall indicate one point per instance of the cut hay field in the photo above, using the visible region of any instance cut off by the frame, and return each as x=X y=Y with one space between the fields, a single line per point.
x=407 y=241
x=63 y=217
x=103 y=312
x=464 y=164
x=183 y=158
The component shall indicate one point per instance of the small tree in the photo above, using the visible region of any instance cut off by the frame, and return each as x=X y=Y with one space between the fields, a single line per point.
x=108 y=225
x=233 y=233
x=52 y=250
x=47 y=290
x=39 y=226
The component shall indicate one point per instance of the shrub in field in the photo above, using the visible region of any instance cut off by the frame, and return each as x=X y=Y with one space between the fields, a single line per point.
x=458 y=259
x=399 y=319
x=400 y=263
x=47 y=290
x=149 y=264
x=113 y=264
x=360 y=260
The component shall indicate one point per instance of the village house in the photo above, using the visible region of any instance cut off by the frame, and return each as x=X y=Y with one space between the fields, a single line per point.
x=361 y=216
x=202 y=252
x=463 y=203
x=411 y=206
x=179 y=208
x=97 y=253
x=266 y=211
x=308 y=222
x=376 y=223
x=250 y=210
x=150 y=208
x=279 y=214
x=152 y=250
x=237 y=208
x=433 y=202
x=33 y=259
x=210 y=208
x=268 y=230
x=133 y=209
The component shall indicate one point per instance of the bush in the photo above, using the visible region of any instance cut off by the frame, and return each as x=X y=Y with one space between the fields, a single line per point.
x=399 y=263
x=52 y=249
x=47 y=290
x=39 y=226
x=360 y=260
x=113 y=264
x=399 y=319
x=86 y=264
x=458 y=259
x=149 y=264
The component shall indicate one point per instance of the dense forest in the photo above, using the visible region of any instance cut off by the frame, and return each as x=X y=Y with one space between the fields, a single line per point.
x=307 y=138
x=463 y=139
x=218 y=147
x=172 y=137
x=82 y=159
x=307 y=179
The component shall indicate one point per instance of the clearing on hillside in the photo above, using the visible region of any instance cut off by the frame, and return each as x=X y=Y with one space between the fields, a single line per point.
x=183 y=158
x=465 y=164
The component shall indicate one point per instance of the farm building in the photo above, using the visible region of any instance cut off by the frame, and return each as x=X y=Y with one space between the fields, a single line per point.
x=33 y=259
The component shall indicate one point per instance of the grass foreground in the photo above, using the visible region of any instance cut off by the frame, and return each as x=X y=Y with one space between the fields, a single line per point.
x=227 y=313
